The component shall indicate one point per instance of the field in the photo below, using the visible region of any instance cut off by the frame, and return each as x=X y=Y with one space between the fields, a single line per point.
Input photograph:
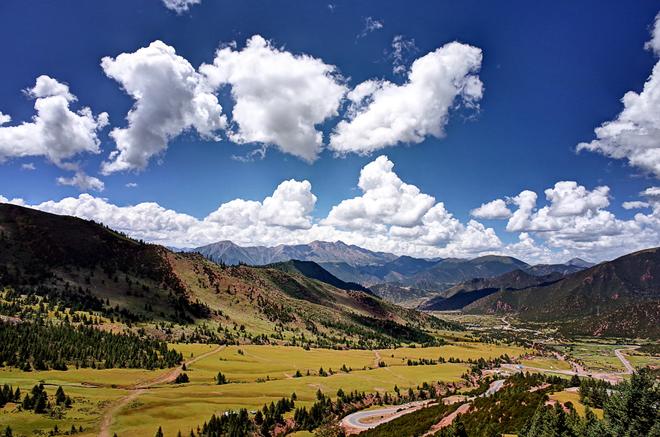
x=574 y=397
x=639 y=360
x=594 y=356
x=256 y=375
x=547 y=363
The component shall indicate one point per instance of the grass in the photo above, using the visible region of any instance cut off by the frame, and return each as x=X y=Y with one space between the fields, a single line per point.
x=183 y=407
x=86 y=410
x=639 y=360
x=595 y=356
x=463 y=351
x=574 y=398
x=547 y=363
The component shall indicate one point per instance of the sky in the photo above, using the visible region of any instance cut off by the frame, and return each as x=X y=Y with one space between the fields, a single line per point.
x=429 y=129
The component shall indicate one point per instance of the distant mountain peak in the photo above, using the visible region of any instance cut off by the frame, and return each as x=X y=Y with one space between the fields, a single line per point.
x=579 y=262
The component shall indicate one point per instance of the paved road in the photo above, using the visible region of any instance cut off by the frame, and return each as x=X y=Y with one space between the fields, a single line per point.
x=580 y=371
x=629 y=368
x=495 y=386
x=363 y=420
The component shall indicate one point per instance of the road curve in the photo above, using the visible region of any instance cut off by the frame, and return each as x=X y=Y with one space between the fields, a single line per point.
x=363 y=420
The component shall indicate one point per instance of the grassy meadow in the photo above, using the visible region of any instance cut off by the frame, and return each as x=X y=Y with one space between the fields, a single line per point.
x=256 y=375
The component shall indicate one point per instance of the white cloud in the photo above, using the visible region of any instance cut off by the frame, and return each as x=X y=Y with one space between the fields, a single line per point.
x=496 y=209
x=534 y=252
x=636 y=204
x=280 y=97
x=55 y=132
x=180 y=6
x=46 y=86
x=390 y=114
x=575 y=222
x=131 y=185
x=386 y=200
x=634 y=134
x=654 y=43
x=290 y=207
x=567 y=198
x=83 y=181
x=651 y=192
x=405 y=221
x=170 y=98
x=29 y=166
x=148 y=221
x=371 y=24
x=401 y=48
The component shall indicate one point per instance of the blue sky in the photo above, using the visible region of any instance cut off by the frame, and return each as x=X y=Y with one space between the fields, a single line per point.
x=550 y=73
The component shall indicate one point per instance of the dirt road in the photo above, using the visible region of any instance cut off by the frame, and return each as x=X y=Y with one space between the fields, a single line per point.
x=138 y=389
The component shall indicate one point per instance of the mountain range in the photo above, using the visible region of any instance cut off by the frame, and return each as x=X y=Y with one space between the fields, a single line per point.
x=84 y=265
x=615 y=298
x=400 y=279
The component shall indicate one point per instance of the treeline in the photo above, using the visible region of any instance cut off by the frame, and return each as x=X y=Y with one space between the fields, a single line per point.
x=323 y=414
x=633 y=409
x=43 y=345
x=593 y=392
x=413 y=424
x=508 y=410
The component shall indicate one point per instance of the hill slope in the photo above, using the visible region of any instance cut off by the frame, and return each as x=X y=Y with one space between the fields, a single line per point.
x=84 y=265
x=463 y=294
x=313 y=270
x=618 y=297
x=449 y=272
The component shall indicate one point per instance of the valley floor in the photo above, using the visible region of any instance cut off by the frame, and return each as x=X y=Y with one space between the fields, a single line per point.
x=132 y=402
x=136 y=402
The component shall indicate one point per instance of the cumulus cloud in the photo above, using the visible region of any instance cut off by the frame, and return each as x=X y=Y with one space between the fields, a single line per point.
x=387 y=200
x=575 y=221
x=180 y=6
x=83 y=181
x=654 y=43
x=496 y=209
x=403 y=221
x=170 y=98
x=55 y=132
x=635 y=204
x=392 y=216
x=389 y=114
x=29 y=166
x=634 y=134
x=290 y=206
x=280 y=97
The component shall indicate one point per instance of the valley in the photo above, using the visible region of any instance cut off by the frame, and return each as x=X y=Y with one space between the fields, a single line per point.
x=146 y=341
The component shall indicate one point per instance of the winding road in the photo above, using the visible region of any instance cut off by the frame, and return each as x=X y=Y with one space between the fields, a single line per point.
x=368 y=419
x=140 y=388
x=580 y=371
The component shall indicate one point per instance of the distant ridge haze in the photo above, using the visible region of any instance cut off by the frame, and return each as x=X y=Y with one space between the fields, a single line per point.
x=352 y=263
